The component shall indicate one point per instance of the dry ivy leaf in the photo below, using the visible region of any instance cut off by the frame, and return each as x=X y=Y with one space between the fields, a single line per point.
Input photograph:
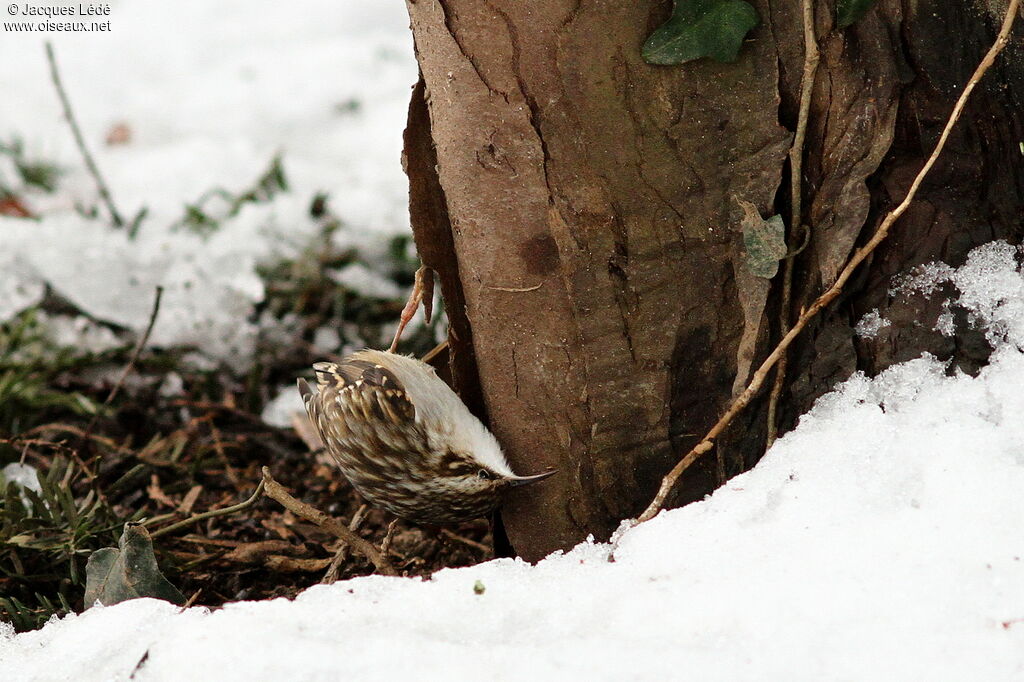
x=763 y=239
x=128 y=571
x=752 y=291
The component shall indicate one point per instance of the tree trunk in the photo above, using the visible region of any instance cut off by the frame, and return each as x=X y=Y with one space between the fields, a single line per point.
x=583 y=211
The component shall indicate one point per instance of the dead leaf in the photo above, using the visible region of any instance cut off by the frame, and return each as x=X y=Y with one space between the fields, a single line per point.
x=119 y=133
x=128 y=571
x=11 y=205
x=863 y=100
x=190 y=499
x=764 y=240
x=156 y=493
x=752 y=292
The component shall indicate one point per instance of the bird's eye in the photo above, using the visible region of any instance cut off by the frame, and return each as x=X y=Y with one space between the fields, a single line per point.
x=484 y=474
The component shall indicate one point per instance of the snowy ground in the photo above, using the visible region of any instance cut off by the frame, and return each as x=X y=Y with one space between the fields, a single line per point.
x=210 y=92
x=883 y=539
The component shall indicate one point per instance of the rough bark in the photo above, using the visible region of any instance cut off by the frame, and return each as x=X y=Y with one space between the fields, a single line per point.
x=583 y=210
x=432 y=231
x=975 y=194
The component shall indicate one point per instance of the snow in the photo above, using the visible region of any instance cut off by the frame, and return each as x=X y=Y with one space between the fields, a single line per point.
x=210 y=93
x=945 y=324
x=365 y=282
x=925 y=279
x=280 y=411
x=870 y=324
x=881 y=539
x=77 y=333
x=22 y=474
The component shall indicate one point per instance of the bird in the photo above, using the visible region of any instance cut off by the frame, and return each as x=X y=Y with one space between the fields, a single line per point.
x=405 y=441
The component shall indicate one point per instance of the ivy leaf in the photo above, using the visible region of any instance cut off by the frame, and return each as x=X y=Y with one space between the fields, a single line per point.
x=764 y=241
x=128 y=571
x=701 y=28
x=850 y=11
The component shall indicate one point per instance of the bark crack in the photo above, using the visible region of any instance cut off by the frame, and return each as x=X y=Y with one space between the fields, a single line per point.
x=618 y=268
x=532 y=108
x=465 y=53
x=515 y=370
x=638 y=134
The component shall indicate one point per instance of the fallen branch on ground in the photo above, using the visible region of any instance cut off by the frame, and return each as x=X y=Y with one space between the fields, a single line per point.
x=143 y=340
x=277 y=492
x=211 y=514
x=342 y=552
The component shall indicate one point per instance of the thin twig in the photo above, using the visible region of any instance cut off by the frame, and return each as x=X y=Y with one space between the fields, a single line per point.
x=435 y=351
x=138 y=347
x=211 y=514
x=342 y=552
x=796 y=158
x=191 y=600
x=131 y=360
x=856 y=259
x=277 y=492
x=101 y=185
x=479 y=546
x=127 y=368
x=385 y=546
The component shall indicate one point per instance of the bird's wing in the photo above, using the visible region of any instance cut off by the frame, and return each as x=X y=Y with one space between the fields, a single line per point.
x=361 y=409
x=374 y=386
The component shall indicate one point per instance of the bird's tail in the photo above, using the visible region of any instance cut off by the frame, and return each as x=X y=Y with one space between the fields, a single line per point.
x=328 y=373
x=305 y=391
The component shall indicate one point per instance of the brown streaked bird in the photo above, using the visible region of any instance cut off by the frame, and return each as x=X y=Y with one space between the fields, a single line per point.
x=405 y=441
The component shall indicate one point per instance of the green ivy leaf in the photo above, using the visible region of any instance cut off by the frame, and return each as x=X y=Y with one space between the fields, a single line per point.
x=701 y=28
x=128 y=571
x=850 y=11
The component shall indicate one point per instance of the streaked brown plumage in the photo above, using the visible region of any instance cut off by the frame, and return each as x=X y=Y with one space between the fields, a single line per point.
x=404 y=439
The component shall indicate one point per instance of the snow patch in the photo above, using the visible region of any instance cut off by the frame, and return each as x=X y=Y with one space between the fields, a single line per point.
x=24 y=475
x=883 y=538
x=870 y=324
x=280 y=411
x=328 y=89
x=365 y=282
x=925 y=279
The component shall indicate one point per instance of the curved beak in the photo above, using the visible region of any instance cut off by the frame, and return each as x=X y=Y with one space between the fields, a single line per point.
x=516 y=481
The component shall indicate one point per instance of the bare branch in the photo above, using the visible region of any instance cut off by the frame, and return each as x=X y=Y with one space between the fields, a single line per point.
x=138 y=347
x=277 y=492
x=143 y=340
x=342 y=552
x=478 y=546
x=385 y=546
x=797 y=226
x=224 y=511
x=69 y=114
x=435 y=351
x=858 y=257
